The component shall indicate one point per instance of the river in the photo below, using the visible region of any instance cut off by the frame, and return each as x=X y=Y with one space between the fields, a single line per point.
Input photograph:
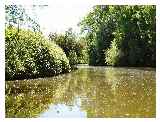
x=86 y=93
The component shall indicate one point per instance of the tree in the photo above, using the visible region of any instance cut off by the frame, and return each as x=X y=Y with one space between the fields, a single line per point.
x=129 y=30
x=16 y=16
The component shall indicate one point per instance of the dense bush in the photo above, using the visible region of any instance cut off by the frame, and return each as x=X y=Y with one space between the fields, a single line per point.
x=74 y=48
x=29 y=54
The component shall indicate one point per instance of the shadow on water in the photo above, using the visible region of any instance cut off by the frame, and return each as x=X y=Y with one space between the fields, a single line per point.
x=87 y=92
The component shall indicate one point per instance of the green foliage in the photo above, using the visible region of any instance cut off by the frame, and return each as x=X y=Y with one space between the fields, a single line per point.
x=123 y=34
x=81 y=51
x=112 y=54
x=83 y=57
x=72 y=58
x=100 y=26
x=75 y=49
x=29 y=54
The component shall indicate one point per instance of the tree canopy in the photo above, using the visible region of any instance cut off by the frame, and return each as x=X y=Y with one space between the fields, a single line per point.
x=121 y=35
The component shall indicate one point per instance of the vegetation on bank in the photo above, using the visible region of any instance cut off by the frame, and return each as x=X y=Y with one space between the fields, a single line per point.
x=114 y=35
x=29 y=54
x=121 y=35
x=75 y=48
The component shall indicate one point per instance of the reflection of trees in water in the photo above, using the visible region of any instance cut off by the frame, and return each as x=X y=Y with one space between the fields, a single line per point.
x=94 y=92
x=99 y=94
x=102 y=93
x=115 y=94
x=30 y=98
x=106 y=93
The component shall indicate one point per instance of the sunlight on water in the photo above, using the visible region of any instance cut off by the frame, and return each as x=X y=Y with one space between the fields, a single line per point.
x=62 y=110
x=87 y=92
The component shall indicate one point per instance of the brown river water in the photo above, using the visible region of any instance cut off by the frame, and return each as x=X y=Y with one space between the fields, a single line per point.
x=88 y=92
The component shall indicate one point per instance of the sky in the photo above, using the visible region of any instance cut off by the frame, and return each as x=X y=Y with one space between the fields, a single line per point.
x=57 y=16
x=62 y=14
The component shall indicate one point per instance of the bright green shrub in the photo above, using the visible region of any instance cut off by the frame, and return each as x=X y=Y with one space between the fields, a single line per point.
x=112 y=54
x=29 y=54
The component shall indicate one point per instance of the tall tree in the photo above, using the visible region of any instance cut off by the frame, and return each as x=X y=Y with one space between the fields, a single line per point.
x=128 y=32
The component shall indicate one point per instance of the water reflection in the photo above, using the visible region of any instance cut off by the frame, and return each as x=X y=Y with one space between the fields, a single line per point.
x=87 y=92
